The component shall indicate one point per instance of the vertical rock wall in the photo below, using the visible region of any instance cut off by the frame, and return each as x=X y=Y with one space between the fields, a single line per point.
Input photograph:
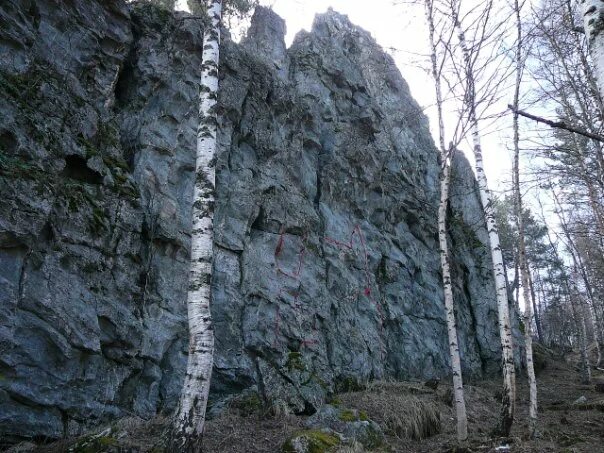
x=326 y=272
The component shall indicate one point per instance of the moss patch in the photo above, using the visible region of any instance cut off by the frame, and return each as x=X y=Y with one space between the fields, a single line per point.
x=347 y=415
x=335 y=401
x=294 y=361
x=315 y=440
x=247 y=405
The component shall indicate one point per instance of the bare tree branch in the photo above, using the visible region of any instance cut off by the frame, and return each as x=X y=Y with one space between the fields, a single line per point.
x=557 y=124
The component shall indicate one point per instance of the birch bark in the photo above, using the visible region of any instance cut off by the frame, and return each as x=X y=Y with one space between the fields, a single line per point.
x=522 y=261
x=505 y=330
x=536 y=312
x=445 y=179
x=580 y=269
x=593 y=18
x=190 y=414
x=582 y=334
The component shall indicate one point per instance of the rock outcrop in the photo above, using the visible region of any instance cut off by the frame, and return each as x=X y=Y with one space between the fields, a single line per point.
x=326 y=270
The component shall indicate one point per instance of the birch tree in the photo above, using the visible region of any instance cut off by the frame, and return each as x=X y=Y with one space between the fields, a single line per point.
x=523 y=262
x=445 y=179
x=536 y=251
x=572 y=295
x=568 y=82
x=581 y=333
x=580 y=274
x=190 y=414
x=505 y=330
x=593 y=18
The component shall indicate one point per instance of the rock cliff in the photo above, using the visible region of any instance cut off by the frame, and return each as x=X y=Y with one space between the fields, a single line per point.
x=326 y=269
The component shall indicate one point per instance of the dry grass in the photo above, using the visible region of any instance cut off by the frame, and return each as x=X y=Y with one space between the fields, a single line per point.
x=404 y=410
x=355 y=447
x=256 y=433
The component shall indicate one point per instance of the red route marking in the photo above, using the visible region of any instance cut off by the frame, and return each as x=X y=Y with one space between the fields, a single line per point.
x=293 y=275
x=279 y=244
x=367 y=291
x=296 y=276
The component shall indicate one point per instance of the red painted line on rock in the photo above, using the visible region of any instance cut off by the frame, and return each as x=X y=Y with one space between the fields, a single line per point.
x=295 y=275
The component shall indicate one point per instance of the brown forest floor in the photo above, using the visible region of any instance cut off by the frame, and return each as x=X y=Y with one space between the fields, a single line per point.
x=563 y=427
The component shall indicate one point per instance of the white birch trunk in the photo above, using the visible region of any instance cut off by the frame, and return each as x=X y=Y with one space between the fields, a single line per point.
x=458 y=392
x=593 y=19
x=575 y=253
x=523 y=263
x=528 y=312
x=505 y=329
x=536 y=310
x=528 y=338
x=190 y=415
x=445 y=179
x=582 y=333
x=596 y=328
x=585 y=367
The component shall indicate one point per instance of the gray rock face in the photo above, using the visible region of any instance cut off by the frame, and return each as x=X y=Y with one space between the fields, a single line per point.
x=326 y=269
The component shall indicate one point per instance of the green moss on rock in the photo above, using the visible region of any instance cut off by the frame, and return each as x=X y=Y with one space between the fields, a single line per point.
x=311 y=441
x=335 y=401
x=247 y=404
x=294 y=361
x=347 y=415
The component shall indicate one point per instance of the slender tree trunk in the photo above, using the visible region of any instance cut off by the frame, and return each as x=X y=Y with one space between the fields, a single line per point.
x=580 y=269
x=460 y=404
x=582 y=334
x=593 y=17
x=522 y=261
x=598 y=325
x=596 y=328
x=528 y=333
x=508 y=285
x=585 y=174
x=445 y=179
x=505 y=328
x=591 y=307
x=536 y=311
x=542 y=297
x=190 y=414
x=516 y=286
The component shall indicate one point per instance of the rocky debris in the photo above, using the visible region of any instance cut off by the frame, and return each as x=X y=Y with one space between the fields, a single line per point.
x=326 y=270
x=580 y=400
